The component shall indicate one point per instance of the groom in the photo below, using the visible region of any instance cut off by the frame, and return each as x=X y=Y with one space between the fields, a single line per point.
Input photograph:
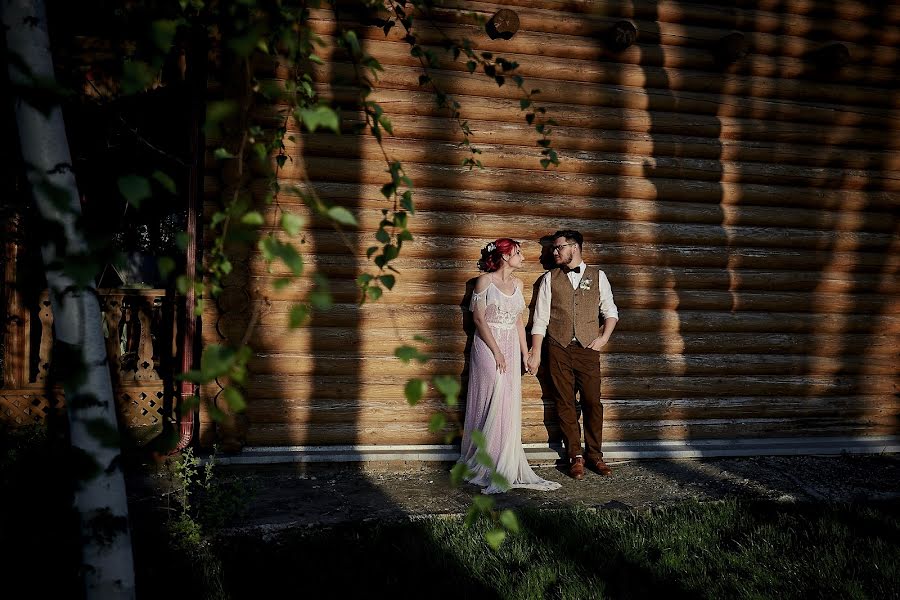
x=572 y=300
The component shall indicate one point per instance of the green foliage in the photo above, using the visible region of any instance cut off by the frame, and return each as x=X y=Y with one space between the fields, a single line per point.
x=202 y=502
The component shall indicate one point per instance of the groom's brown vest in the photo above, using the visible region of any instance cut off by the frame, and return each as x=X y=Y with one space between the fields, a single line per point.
x=574 y=313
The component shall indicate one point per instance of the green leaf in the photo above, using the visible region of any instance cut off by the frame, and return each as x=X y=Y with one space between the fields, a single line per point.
x=216 y=361
x=182 y=284
x=524 y=103
x=162 y=32
x=391 y=252
x=103 y=432
x=164 y=180
x=484 y=459
x=386 y=123
x=449 y=386
x=437 y=422
x=222 y=153
x=253 y=219
x=459 y=472
x=166 y=265
x=291 y=223
x=136 y=76
x=495 y=538
x=298 y=315
x=499 y=480
x=483 y=503
x=387 y=281
x=320 y=116
x=281 y=282
x=135 y=188
x=234 y=398
x=508 y=519
x=406 y=353
x=478 y=438
x=342 y=215
x=373 y=292
x=316 y=59
x=216 y=112
x=414 y=390
x=406 y=201
x=352 y=42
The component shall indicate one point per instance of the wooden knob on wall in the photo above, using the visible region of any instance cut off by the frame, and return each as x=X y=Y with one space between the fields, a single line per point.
x=830 y=58
x=504 y=24
x=621 y=35
x=730 y=49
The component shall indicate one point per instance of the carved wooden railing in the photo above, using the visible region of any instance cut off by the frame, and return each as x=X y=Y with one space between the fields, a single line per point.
x=141 y=330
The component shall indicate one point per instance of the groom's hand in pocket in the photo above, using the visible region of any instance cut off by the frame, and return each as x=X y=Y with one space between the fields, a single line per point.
x=598 y=343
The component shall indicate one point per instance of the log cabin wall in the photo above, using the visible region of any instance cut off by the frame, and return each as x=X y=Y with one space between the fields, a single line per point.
x=745 y=212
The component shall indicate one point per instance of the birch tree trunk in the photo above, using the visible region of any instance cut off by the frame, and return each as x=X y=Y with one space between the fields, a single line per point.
x=100 y=493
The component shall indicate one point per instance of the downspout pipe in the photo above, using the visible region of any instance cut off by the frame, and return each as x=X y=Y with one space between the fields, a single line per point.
x=190 y=418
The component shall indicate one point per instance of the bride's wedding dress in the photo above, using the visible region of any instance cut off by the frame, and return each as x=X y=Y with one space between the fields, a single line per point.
x=494 y=404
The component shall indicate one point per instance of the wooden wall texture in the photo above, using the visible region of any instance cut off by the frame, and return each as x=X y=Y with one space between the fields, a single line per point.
x=746 y=217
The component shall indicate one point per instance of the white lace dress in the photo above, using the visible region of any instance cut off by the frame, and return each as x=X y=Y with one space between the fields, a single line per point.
x=494 y=404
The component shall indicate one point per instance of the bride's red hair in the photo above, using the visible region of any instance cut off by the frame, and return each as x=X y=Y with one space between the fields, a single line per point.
x=492 y=254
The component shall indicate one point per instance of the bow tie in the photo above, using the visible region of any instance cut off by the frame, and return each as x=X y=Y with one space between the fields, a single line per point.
x=575 y=270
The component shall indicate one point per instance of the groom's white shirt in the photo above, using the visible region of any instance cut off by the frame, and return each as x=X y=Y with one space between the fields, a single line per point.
x=542 y=307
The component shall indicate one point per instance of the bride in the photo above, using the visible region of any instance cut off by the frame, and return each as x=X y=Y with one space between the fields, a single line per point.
x=499 y=350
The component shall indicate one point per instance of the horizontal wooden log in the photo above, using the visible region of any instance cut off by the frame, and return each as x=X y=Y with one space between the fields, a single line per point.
x=321 y=434
x=418 y=286
x=537 y=411
x=548 y=182
x=599 y=208
x=386 y=386
x=677 y=34
x=366 y=361
x=538 y=45
x=625 y=95
x=500 y=156
x=658 y=144
x=837 y=126
x=610 y=256
x=799 y=19
x=549 y=68
x=274 y=312
x=451 y=347
x=631 y=241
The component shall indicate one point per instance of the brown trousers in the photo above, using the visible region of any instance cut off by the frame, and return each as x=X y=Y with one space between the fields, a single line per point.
x=572 y=369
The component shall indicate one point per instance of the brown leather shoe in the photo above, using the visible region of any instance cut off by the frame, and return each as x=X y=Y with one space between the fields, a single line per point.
x=602 y=468
x=576 y=468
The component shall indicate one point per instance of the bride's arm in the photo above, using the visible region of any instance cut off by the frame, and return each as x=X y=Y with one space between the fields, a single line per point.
x=520 y=326
x=479 y=307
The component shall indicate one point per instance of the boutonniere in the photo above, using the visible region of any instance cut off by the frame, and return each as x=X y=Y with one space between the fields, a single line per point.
x=585 y=284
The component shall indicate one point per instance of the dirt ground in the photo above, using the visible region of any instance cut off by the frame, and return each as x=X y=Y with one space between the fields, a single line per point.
x=320 y=495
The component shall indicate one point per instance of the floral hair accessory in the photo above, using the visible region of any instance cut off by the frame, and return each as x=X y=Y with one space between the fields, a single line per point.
x=491 y=247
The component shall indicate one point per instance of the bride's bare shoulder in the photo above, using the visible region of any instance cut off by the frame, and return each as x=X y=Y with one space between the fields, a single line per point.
x=482 y=282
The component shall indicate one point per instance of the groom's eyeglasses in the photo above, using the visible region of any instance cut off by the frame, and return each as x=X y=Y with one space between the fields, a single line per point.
x=561 y=246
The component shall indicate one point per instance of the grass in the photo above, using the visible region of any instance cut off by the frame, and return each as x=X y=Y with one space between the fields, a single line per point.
x=721 y=550
x=730 y=549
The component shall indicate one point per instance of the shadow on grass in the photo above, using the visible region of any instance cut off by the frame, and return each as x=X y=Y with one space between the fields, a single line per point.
x=725 y=549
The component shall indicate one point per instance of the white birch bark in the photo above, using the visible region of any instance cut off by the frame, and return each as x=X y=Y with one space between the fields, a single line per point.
x=100 y=499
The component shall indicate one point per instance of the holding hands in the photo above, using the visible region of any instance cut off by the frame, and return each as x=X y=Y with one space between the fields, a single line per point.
x=533 y=362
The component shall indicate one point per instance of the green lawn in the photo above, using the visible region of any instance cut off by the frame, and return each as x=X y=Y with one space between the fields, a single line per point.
x=717 y=550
